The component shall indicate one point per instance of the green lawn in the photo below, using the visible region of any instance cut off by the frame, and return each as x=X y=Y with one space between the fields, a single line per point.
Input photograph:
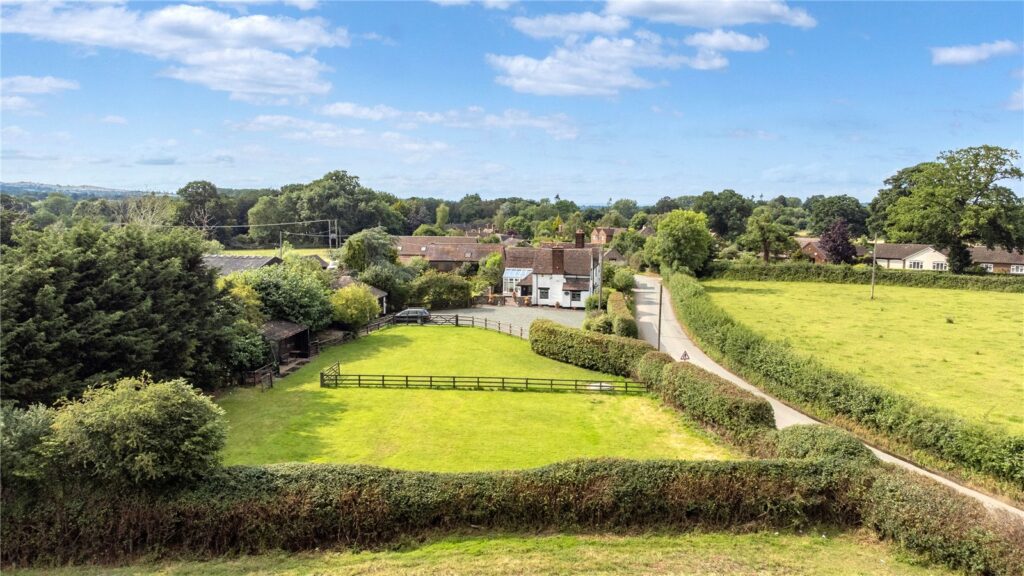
x=762 y=553
x=321 y=252
x=956 y=349
x=445 y=430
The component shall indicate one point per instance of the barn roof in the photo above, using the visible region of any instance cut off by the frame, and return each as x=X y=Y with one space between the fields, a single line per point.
x=276 y=330
x=228 y=264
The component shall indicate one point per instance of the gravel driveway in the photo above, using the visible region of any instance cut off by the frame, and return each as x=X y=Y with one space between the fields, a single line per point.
x=521 y=315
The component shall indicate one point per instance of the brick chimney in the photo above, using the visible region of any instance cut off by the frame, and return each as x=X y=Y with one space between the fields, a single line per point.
x=557 y=261
x=579 y=238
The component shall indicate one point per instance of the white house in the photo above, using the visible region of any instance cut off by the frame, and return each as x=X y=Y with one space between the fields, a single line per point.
x=925 y=257
x=562 y=277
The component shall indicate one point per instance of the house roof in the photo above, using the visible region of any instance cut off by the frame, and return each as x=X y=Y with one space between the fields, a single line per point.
x=575 y=261
x=323 y=263
x=346 y=280
x=459 y=252
x=276 y=330
x=613 y=255
x=647 y=231
x=528 y=281
x=519 y=257
x=898 y=251
x=815 y=247
x=805 y=240
x=576 y=285
x=229 y=264
x=418 y=245
x=982 y=255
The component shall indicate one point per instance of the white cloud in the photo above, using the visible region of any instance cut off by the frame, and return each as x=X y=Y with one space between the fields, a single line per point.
x=15 y=103
x=114 y=119
x=600 y=67
x=755 y=135
x=36 y=85
x=727 y=41
x=351 y=110
x=972 y=53
x=488 y=4
x=557 y=126
x=248 y=56
x=712 y=14
x=1016 y=101
x=561 y=25
x=328 y=134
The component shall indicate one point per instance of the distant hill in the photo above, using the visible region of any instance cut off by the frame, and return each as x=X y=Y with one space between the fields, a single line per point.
x=36 y=188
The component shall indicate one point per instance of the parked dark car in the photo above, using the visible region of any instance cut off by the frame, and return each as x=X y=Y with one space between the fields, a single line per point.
x=413 y=315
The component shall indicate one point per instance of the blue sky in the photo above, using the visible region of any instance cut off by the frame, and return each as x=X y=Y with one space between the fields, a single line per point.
x=591 y=101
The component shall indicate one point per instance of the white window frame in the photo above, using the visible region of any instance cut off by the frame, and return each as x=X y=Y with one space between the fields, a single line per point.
x=988 y=267
x=575 y=296
x=915 y=265
x=1016 y=268
x=939 y=266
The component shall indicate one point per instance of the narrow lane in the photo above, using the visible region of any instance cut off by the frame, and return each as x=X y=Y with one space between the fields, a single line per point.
x=674 y=341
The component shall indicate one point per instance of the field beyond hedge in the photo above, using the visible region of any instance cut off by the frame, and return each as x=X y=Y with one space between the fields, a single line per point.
x=445 y=430
x=954 y=349
x=762 y=553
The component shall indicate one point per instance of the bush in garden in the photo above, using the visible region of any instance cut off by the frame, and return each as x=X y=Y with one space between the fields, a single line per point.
x=439 y=290
x=623 y=280
x=23 y=433
x=623 y=323
x=297 y=293
x=600 y=352
x=136 y=431
x=600 y=323
x=354 y=306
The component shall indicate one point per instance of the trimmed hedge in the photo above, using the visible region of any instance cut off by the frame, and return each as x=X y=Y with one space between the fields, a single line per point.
x=623 y=322
x=947 y=527
x=715 y=402
x=805 y=381
x=821 y=441
x=248 y=510
x=600 y=352
x=649 y=369
x=847 y=274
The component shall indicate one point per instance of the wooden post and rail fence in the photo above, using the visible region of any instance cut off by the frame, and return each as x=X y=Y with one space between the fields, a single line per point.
x=459 y=320
x=331 y=377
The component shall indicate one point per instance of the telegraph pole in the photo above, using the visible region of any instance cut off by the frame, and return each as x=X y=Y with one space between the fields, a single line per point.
x=661 y=294
x=874 y=257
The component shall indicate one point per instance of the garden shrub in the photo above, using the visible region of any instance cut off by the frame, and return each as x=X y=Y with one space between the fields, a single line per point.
x=23 y=433
x=847 y=274
x=248 y=510
x=136 y=431
x=649 y=368
x=600 y=352
x=623 y=280
x=944 y=526
x=440 y=290
x=820 y=441
x=805 y=381
x=354 y=306
x=600 y=323
x=716 y=402
x=623 y=322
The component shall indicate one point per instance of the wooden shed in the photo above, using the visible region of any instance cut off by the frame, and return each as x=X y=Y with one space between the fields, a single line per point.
x=288 y=340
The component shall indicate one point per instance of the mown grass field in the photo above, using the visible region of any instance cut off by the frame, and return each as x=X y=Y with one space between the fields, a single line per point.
x=763 y=554
x=955 y=349
x=445 y=430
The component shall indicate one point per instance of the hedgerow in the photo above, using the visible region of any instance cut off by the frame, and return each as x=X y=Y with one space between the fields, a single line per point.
x=820 y=441
x=715 y=402
x=249 y=510
x=649 y=369
x=623 y=322
x=846 y=274
x=803 y=380
x=600 y=352
x=946 y=527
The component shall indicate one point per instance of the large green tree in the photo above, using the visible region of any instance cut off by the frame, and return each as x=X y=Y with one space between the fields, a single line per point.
x=825 y=211
x=682 y=241
x=727 y=212
x=84 y=305
x=961 y=200
x=767 y=233
x=896 y=186
x=367 y=248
